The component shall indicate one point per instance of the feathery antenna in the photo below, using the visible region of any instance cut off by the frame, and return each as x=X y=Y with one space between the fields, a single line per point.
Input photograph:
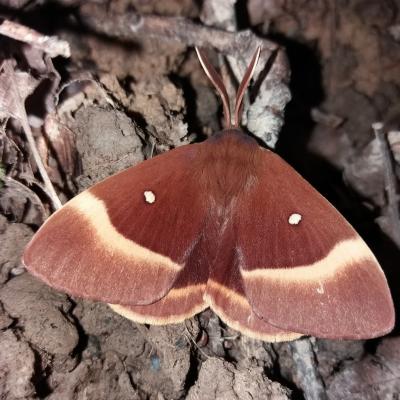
x=216 y=80
x=243 y=86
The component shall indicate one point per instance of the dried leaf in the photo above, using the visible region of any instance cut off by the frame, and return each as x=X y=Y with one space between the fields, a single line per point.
x=16 y=108
x=15 y=87
x=62 y=141
x=21 y=202
x=364 y=173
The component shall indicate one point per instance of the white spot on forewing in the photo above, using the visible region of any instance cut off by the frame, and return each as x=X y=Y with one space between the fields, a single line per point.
x=294 y=219
x=149 y=196
x=320 y=289
x=94 y=211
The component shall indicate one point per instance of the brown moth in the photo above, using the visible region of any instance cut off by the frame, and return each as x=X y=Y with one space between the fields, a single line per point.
x=224 y=224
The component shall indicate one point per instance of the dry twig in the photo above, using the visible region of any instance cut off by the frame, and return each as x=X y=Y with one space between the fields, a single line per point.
x=51 y=45
x=265 y=116
x=56 y=203
x=130 y=25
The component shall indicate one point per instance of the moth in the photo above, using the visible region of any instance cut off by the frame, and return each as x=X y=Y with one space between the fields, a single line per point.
x=224 y=224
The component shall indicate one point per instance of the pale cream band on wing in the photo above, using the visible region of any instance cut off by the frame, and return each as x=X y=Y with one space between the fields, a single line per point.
x=343 y=255
x=228 y=293
x=242 y=302
x=94 y=211
x=157 y=320
x=180 y=294
x=176 y=295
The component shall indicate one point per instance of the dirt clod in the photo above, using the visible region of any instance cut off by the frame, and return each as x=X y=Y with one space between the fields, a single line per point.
x=13 y=239
x=107 y=143
x=219 y=379
x=16 y=367
x=41 y=311
x=133 y=88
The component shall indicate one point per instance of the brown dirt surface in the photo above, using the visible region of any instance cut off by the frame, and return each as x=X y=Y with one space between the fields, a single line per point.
x=125 y=95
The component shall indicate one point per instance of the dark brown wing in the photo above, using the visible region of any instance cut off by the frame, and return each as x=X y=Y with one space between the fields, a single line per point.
x=183 y=301
x=304 y=268
x=127 y=239
x=226 y=296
